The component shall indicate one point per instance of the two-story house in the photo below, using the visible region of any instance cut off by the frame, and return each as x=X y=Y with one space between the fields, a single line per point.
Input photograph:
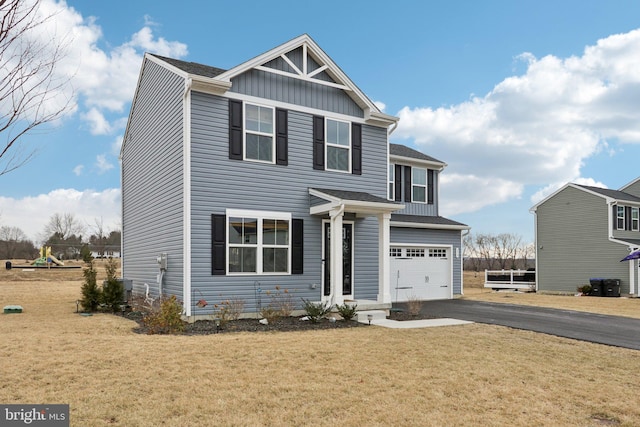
x=583 y=232
x=277 y=172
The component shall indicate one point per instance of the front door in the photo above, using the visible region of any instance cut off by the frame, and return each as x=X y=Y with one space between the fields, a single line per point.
x=347 y=259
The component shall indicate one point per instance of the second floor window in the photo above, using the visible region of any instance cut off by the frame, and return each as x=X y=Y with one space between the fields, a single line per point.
x=419 y=185
x=338 y=141
x=635 y=219
x=259 y=129
x=620 y=218
x=392 y=180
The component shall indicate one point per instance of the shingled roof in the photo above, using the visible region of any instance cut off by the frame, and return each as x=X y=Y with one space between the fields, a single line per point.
x=404 y=151
x=192 y=67
x=614 y=194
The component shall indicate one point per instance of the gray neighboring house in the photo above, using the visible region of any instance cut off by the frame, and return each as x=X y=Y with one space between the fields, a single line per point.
x=583 y=232
x=277 y=173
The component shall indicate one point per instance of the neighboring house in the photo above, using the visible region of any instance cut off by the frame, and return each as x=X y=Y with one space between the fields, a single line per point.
x=277 y=172
x=584 y=232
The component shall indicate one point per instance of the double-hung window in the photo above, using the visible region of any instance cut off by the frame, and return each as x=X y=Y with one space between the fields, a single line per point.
x=259 y=140
x=392 y=180
x=258 y=242
x=635 y=219
x=620 y=218
x=338 y=145
x=419 y=185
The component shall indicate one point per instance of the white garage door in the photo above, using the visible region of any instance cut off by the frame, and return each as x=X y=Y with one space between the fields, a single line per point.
x=421 y=273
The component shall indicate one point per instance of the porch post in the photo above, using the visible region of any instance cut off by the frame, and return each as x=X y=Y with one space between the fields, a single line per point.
x=633 y=267
x=336 y=277
x=384 y=237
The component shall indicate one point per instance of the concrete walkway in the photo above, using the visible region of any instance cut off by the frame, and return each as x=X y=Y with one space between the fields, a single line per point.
x=422 y=323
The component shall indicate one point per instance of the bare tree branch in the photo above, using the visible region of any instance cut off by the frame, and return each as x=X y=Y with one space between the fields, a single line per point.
x=31 y=94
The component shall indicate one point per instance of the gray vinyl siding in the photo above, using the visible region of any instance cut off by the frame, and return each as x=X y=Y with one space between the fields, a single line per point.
x=423 y=209
x=295 y=91
x=434 y=237
x=633 y=189
x=572 y=243
x=219 y=183
x=152 y=182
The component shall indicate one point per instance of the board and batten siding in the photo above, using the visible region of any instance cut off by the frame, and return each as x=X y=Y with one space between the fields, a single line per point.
x=572 y=243
x=152 y=182
x=219 y=183
x=421 y=236
x=281 y=88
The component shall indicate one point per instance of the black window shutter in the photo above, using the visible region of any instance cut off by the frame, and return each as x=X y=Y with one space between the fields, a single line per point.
x=397 y=174
x=407 y=184
x=297 y=246
x=235 y=129
x=430 y=186
x=282 y=137
x=615 y=217
x=356 y=149
x=627 y=217
x=218 y=245
x=318 y=142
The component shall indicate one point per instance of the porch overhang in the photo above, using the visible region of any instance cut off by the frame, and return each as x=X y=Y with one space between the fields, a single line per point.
x=359 y=203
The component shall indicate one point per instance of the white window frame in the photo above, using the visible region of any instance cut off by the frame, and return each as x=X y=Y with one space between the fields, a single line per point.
x=245 y=131
x=414 y=185
x=620 y=218
x=635 y=219
x=342 y=147
x=391 y=178
x=260 y=246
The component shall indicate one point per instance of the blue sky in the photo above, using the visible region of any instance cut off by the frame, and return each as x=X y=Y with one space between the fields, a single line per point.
x=518 y=98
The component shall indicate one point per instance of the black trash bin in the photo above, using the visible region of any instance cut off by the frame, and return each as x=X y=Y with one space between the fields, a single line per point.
x=596 y=287
x=8 y=265
x=611 y=288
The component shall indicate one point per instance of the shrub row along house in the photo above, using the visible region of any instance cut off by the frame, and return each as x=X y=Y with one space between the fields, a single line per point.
x=584 y=232
x=277 y=172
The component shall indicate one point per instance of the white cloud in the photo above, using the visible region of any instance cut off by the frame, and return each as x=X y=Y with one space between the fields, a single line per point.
x=102 y=164
x=78 y=170
x=31 y=214
x=534 y=129
x=102 y=80
x=381 y=105
x=97 y=122
x=116 y=145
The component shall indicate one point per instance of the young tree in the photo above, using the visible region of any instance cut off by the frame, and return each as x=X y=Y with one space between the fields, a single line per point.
x=30 y=91
x=11 y=242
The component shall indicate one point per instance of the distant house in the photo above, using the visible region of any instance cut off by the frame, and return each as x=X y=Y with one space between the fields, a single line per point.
x=583 y=232
x=277 y=172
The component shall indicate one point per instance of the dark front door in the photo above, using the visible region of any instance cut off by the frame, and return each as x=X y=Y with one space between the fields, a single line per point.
x=347 y=255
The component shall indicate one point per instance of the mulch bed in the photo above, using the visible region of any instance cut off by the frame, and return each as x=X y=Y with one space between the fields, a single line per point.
x=283 y=324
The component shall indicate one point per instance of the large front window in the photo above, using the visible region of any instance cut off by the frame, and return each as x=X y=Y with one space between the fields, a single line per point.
x=259 y=129
x=338 y=141
x=419 y=185
x=259 y=242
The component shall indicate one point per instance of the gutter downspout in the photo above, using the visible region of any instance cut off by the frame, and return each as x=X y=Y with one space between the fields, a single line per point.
x=186 y=202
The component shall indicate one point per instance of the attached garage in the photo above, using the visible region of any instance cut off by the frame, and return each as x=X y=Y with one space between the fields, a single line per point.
x=421 y=272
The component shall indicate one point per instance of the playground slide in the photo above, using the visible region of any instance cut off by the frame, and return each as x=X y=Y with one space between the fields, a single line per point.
x=55 y=260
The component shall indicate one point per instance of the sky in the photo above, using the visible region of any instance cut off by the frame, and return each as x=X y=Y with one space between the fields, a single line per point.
x=517 y=97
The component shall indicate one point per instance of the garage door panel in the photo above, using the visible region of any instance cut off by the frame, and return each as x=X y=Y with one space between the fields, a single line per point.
x=421 y=277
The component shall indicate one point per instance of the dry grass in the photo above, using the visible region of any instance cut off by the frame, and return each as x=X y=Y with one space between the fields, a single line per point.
x=473 y=289
x=453 y=376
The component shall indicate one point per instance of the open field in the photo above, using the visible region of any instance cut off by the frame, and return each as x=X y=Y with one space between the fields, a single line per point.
x=453 y=376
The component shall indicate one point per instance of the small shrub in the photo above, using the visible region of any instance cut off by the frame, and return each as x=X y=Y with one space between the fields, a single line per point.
x=348 y=312
x=167 y=319
x=282 y=301
x=316 y=310
x=584 y=289
x=414 y=305
x=270 y=313
x=91 y=294
x=228 y=310
x=112 y=291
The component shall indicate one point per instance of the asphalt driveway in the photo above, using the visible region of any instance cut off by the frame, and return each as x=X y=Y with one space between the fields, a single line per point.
x=597 y=328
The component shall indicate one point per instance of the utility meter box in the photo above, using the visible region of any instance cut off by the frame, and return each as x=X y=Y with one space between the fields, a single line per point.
x=162 y=261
